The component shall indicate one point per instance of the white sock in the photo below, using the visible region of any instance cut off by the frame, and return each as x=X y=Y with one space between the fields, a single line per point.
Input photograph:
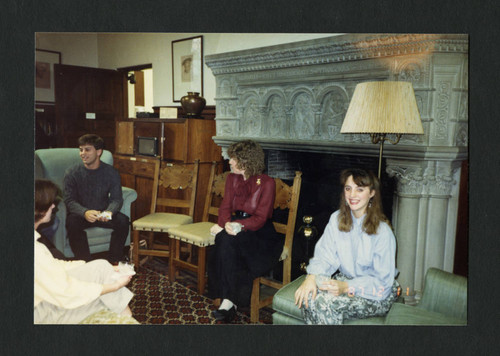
x=226 y=304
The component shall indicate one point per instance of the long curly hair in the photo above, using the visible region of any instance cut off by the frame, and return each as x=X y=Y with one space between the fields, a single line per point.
x=46 y=194
x=249 y=157
x=374 y=212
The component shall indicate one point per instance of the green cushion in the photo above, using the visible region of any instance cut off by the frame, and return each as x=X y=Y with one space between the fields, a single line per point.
x=284 y=299
x=197 y=234
x=402 y=314
x=445 y=293
x=282 y=319
x=161 y=222
x=288 y=313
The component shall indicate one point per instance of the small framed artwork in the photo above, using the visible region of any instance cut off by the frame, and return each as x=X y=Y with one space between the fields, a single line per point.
x=44 y=74
x=187 y=67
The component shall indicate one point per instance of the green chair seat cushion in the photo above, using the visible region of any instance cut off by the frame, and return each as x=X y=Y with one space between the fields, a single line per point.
x=282 y=319
x=197 y=234
x=284 y=299
x=161 y=222
x=402 y=314
x=289 y=313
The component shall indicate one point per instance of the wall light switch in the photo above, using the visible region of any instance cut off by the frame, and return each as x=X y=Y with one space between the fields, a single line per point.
x=90 y=115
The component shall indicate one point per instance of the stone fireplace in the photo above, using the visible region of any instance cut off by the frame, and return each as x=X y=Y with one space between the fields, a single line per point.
x=292 y=99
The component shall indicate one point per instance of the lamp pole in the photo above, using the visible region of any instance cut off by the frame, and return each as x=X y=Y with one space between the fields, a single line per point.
x=381 y=137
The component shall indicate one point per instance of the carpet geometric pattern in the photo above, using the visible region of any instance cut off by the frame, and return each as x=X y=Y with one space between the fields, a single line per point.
x=158 y=301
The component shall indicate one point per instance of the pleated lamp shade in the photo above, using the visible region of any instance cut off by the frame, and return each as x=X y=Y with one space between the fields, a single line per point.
x=383 y=107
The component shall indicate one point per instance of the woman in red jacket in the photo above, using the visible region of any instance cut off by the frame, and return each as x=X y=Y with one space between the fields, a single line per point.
x=246 y=243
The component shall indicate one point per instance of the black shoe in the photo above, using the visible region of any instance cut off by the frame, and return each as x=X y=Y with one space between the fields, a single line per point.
x=225 y=315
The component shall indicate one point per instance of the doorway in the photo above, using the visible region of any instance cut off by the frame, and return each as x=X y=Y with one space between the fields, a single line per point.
x=139 y=90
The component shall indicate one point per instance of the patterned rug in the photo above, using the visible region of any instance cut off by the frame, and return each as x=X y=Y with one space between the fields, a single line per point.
x=158 y=301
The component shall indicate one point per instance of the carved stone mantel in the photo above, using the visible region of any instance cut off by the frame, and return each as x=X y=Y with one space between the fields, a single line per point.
x=294 y=97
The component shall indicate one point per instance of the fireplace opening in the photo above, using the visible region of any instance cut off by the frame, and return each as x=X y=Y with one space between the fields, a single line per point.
x=320 y=192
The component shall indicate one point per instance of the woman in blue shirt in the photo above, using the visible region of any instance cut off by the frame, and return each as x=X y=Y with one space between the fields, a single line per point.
x=358 y=244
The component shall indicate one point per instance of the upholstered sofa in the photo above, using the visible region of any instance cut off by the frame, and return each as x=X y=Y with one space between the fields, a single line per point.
x=52 y=164
x=444 y=302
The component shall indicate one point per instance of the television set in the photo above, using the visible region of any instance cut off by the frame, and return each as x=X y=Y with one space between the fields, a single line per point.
x=147 y=146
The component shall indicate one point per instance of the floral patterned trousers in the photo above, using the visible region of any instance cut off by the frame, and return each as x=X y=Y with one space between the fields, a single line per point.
x=328 y=309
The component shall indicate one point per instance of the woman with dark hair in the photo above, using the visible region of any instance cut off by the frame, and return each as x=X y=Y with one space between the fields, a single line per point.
x=246 y=243
x=66 y=292
x=358 y=245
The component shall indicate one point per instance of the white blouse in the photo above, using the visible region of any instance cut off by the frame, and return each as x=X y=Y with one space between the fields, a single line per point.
x=370 y=260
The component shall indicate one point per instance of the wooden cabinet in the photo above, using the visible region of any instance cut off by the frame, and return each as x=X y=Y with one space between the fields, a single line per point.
x=137 y=172
x=88 y=100
x=180 y=140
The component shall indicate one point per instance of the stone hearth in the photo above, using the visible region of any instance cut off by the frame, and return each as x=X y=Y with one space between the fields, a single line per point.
x=293 y=97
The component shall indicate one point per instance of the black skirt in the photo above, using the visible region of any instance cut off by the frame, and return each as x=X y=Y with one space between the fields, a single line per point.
x=235 y=261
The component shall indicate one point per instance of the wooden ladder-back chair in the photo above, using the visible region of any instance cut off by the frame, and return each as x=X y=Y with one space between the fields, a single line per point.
x=198 y=234
x=174 y=177
x=286 y=198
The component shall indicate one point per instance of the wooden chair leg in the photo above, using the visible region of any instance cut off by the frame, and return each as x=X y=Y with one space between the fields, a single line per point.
x=254 y=301
x=135 y=257
x=177 y=254
x=190 y=251
x=201 y=269
x=171 y=260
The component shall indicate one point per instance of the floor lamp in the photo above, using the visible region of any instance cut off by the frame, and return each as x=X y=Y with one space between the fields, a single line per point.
x=381 y=108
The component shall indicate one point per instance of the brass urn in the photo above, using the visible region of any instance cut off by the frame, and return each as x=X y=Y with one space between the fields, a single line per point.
x=193 y=104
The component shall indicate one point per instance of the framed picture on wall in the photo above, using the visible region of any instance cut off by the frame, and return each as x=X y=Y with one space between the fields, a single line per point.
x=44 y=74
x=187 y=67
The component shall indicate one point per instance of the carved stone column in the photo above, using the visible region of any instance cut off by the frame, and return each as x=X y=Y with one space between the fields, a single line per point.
x=425 y=203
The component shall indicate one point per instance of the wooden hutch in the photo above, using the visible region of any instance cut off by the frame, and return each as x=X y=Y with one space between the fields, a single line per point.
x=179 y=140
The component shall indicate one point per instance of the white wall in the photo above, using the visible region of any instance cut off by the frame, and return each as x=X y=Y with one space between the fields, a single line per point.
x=115 y=50
x=78 y=49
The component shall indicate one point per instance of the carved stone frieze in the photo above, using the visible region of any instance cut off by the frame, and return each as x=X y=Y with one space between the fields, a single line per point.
x=225 y=87
x=226 y=108
x=440 y=131
x=425 y=179
x=300 y=91
x=344 y=48
x=439 y=184
x=333 y=109
x=463 y=111
x=226 y=128
x=410 y=179
x=276 y=117
x=251 y=120
x=411 y=72
x=306 y=73
x=302 y=127
x=462 y=135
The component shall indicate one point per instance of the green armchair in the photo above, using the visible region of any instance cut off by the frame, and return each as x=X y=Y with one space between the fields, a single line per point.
x=444 y=302
x=51 y=164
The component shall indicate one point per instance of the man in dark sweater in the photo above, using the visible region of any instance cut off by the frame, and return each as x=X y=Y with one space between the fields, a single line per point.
x=93 y=197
